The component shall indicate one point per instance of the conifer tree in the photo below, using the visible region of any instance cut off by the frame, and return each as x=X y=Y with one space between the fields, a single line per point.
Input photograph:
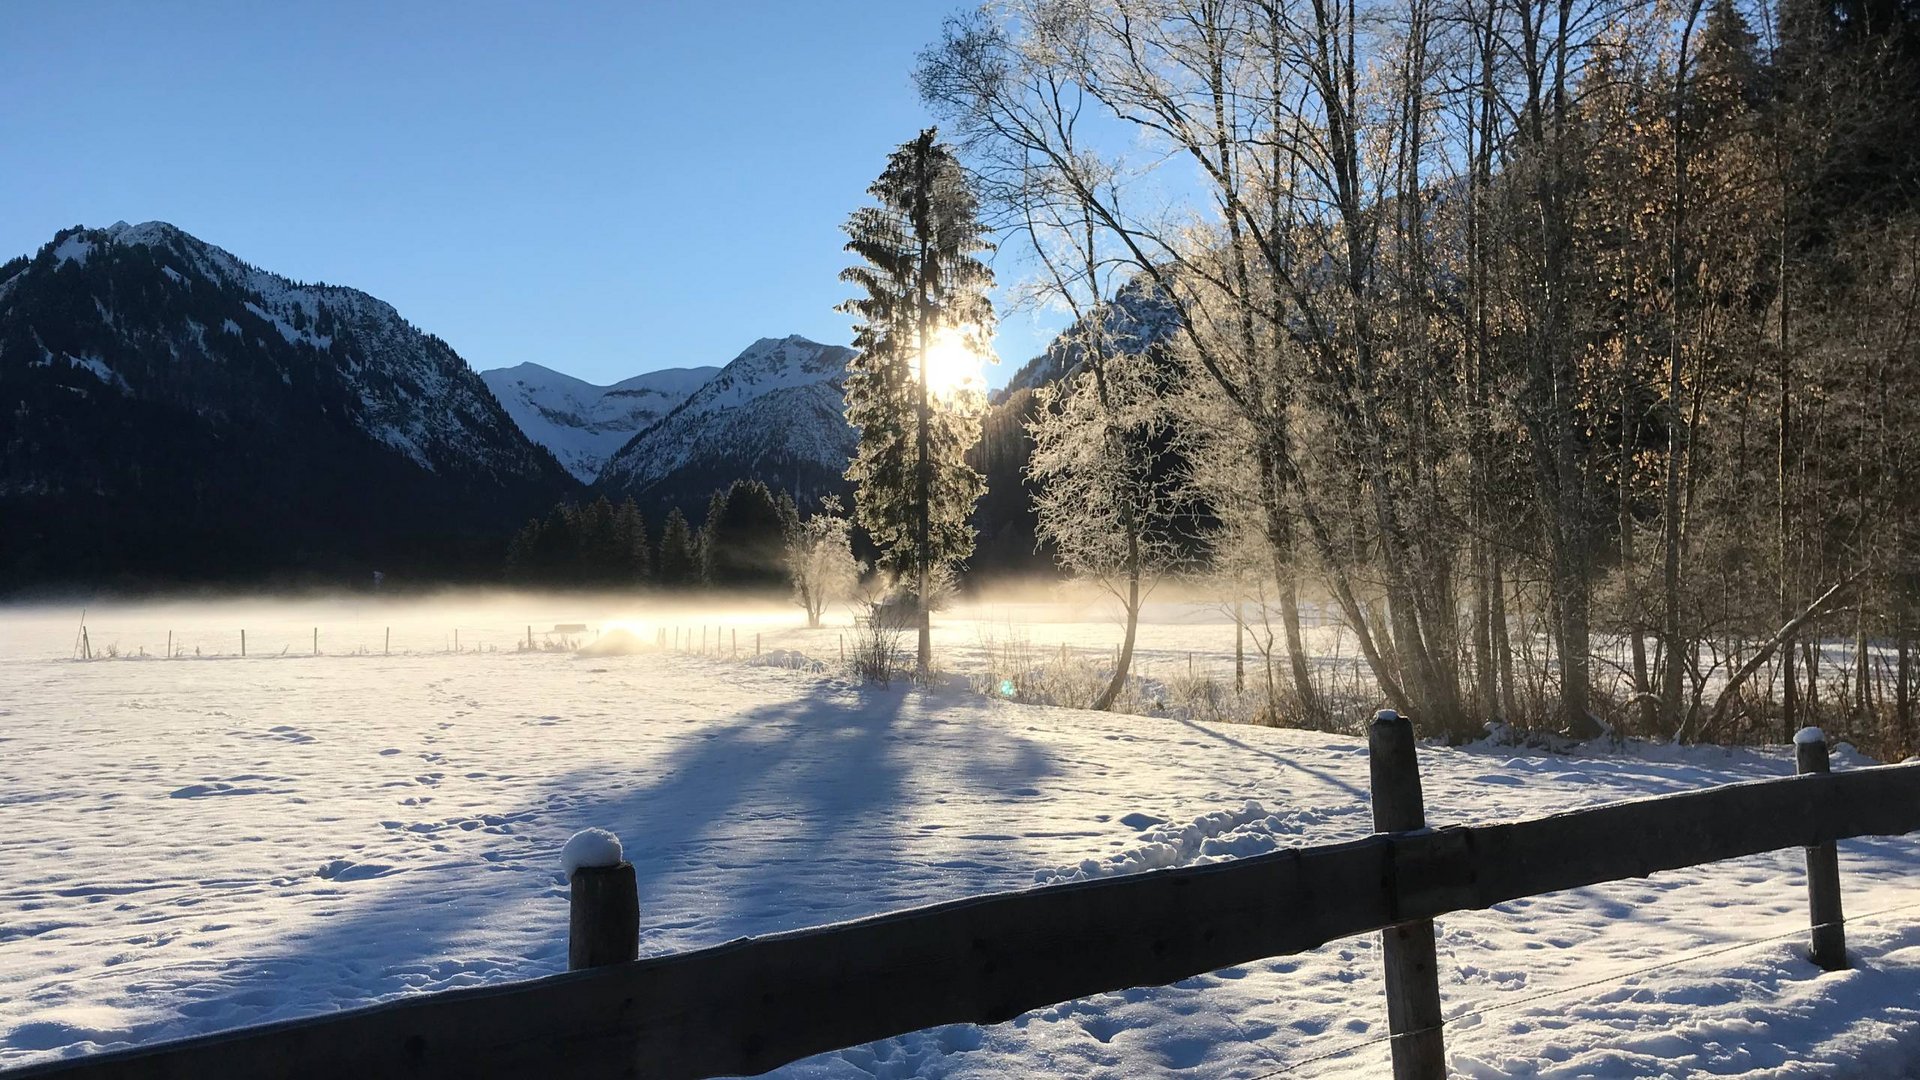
x=678 y=564
x=742 y=542
x=631 y=543
x=922 y=285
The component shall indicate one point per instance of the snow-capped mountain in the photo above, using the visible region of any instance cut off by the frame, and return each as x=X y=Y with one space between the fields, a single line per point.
x=1137 y=318
x=171 y=410
x=583 y=424
x=775 y=413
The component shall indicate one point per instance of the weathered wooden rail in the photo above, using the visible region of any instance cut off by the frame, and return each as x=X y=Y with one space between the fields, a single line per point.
x=755 y=1004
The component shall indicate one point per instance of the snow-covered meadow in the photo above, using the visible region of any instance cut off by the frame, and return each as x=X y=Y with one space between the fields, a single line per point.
x=203 y=842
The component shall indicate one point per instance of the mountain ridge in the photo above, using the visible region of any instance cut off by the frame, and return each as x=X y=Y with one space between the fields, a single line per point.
x=775 y=413
x=582 y=423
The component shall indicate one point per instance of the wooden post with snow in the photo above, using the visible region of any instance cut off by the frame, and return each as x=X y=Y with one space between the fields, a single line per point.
x=603 y=926
x=1828 y=946
x=1413 y=981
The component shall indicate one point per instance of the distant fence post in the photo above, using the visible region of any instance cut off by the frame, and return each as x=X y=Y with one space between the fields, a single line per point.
x=243 y=643
x=1828 y=947
x=1413 y=981
x=603 y=923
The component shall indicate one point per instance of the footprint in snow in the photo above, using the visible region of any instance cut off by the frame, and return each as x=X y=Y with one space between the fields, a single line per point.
x=218 y=787
x=348 y=870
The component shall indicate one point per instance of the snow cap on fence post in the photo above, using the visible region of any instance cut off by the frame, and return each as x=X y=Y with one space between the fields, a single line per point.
x=1395 y=772
x=603 y=925
x=1828 y=945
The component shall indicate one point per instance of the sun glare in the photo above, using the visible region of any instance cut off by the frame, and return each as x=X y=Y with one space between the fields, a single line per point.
x=952 y=365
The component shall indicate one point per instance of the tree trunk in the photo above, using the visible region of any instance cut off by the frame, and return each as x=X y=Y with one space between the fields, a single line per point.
x=1790 y=691
x=1502 y=643
x=1902 y=696
x=1312 y=709
x=923 y=484
x=1239 y=648
x=1120 y=668
x=1644 y=706
x=1862 y=670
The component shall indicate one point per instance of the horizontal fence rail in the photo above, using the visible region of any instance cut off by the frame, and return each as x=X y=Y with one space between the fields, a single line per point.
x=758 y=1003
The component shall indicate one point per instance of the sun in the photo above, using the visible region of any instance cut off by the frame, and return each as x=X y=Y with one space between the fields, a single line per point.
x=953 y=366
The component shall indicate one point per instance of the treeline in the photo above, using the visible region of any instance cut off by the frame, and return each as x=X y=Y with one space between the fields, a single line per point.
x=1571 y=354
x=739 y=544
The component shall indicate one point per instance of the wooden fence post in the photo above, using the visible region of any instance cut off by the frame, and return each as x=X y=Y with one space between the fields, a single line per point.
x=243 y=643
x=603 y=921
x=1828 y=947
x=386 y=643
x=1413 y=980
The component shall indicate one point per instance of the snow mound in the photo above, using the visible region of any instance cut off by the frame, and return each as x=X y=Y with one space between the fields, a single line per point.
x=614 y=643
x=1808 y=735
x=590 y=847
x=793 y=659
x=1211 y=837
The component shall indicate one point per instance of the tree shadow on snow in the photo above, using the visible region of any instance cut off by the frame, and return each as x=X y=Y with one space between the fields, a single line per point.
x=810 y=810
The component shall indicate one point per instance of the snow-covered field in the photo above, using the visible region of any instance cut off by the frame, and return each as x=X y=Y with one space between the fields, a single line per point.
x=193 y=844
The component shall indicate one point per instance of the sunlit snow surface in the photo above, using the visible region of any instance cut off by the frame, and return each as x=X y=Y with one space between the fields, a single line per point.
x=196 y=844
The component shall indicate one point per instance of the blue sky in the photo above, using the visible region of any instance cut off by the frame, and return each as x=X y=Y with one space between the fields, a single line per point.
x=601 y=188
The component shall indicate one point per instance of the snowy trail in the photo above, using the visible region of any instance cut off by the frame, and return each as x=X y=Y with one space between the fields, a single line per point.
x=187 y=846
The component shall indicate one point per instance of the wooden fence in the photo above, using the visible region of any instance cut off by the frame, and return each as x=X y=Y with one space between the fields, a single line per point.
x=758 y=1003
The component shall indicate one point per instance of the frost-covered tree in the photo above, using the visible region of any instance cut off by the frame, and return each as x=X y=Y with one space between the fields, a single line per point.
x=1106 y=503
x=922 y=312
x=820 y=560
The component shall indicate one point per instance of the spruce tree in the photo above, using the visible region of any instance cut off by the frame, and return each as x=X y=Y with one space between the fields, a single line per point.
x=741 y=544
x=922 y=284
x=678 y=564
x=635 y=562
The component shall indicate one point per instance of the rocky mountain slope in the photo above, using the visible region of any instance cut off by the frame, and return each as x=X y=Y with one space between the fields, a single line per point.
x=170 y=411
